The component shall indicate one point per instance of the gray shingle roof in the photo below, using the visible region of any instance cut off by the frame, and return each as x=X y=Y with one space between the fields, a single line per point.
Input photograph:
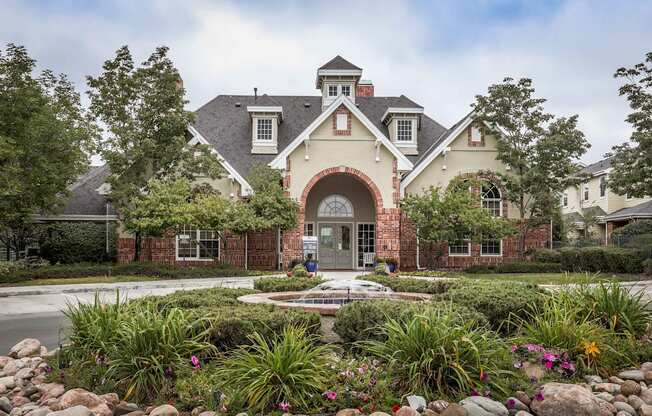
x=339 y=63
x=84 y=198
x=597 y=166
x=228 y=128
x=642 y=210
x=576 y=217
x=443 y=135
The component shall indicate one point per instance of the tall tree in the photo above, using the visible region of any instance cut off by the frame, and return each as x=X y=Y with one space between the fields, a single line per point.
x=45 y=139
x=145 y=137
x=632 y=164
x=540 y=149
x=452 y=214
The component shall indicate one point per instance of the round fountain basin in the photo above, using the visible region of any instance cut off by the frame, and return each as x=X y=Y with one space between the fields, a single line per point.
x=325 y=302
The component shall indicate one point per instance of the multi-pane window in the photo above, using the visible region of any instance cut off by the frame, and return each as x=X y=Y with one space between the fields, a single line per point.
x=491 y=247
x=603 y=186
x=586 y=193
x=309 y=229
x=264 y=129
x=335 y=206
x=491 y=199
x=332 y=90
x=476 y=134
x=565 y=199
x=346 y=90
x=193 y=244
x=404 y=130
x=461 y=247
x=366 y=243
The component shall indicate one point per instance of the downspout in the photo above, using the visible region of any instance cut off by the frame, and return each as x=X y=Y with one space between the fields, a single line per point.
x=418 y=266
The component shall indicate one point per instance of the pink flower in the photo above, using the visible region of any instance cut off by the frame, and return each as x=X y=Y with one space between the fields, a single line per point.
x=474 y=392
x=548 y=364
x=330 y=395
x=195 y=361
x=510 y=404
x=514 y=348
x=363 y=368
x=483 y=376
x=539 y=396
x=568 y=366
x=347 y=374
x=284 y=406
x=549 y=357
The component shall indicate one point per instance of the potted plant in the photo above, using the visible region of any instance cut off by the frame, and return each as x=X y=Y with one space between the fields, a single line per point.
x=310 y=264
x=391 y=264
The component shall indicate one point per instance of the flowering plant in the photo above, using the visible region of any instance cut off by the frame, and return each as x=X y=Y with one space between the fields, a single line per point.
x=550 y=359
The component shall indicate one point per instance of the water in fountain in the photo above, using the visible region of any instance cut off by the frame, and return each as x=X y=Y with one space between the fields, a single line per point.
x=351 y=286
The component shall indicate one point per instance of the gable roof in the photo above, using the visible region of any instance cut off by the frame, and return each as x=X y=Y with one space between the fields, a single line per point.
x=339 y=63
x=280 y=160
x=227 y=127
x=642 y=210
x=598 y=166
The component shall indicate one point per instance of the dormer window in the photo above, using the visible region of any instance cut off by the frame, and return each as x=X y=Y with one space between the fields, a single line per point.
x=346 y=90
x=264 y=129
x=404 y=131
x=332 y=90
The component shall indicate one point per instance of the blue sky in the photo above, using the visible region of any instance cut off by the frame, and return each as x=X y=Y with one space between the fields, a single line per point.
x=440 y=54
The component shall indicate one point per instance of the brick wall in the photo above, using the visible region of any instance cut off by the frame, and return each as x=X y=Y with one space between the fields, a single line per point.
x=366 y=90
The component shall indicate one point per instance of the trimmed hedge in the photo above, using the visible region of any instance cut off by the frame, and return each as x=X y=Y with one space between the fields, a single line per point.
x=516 y=267
x=232 y=322
x=400 y=284
x=647 y=267
x=359 y=321
x=547 y=255
x=77 y=242
x=286 y=284
x=602 y=259
x=128 y=269
x=634 y=228
x=496 y=300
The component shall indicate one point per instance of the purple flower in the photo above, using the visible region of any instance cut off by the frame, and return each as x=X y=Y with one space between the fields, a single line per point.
x=284 y=406
x=510 y=404
x=330 y=395
x=347 y=374
x=539 y=396
x=195 y=361
x=169 y=373
x=48 y=369
x=474 y=392
x=483 y=376
x=363 y=368
x=534 y=380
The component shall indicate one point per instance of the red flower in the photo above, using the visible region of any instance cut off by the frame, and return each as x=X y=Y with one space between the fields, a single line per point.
x=396 y=408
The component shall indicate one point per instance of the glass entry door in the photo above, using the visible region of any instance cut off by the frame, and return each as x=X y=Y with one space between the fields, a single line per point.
x=335 y=246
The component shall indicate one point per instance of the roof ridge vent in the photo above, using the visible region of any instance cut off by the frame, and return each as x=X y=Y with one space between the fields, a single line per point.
x=306 y=104
x=238 y=104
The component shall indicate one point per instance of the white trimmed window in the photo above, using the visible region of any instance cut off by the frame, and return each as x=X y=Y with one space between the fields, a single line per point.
x=332 y=90
x=264 y=129
x=491 y=199
x=476 y=134
x=346 y=90
x=335 y=206
x=309 y=229
x=586 y=192
x=461 y=247
x=194 y=244
x=342 y=121
x=403 y=130
x=491 y=247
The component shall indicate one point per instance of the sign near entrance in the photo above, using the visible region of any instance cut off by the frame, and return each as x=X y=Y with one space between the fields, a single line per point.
x=310 y=246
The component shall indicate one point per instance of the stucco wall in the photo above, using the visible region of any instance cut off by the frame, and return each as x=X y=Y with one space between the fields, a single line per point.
x=462 y=159
x=356 y=151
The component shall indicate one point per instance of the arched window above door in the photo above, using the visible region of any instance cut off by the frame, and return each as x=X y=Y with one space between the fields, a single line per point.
x=335 y=206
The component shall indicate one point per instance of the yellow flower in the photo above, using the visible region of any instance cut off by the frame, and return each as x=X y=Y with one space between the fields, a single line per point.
x=591 y=349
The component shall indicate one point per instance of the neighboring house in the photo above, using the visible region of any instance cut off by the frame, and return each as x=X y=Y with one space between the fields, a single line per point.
x=348 y=157
x=604 y=209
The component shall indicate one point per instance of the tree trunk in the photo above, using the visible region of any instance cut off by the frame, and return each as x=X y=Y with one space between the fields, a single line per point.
x=137 y=247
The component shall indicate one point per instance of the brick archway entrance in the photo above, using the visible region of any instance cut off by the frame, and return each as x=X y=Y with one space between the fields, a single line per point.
x=387 y=220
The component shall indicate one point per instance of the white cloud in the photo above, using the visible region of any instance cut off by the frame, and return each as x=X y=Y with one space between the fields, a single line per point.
x=435 y=56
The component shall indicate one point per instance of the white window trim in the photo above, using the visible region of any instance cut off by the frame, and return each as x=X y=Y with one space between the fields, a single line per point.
x=500 y=201
x=265 y=142
x=585 y=193
x=357 y=247
x=313 y=227
x=493 y=255
x=468 y=244
x=334 y=197
x=345 y=118
x=476 y=129
x=405 y=143
x=176 y=249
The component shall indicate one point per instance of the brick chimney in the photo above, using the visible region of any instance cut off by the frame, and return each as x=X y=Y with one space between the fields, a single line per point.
x=179 y=83
x=364 y=89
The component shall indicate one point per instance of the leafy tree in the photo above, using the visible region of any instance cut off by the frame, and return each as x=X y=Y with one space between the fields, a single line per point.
x=539 y=148
x=451 y=214
x=45 y=139
x=145 y=137
x=632 y=164
x=269 y=201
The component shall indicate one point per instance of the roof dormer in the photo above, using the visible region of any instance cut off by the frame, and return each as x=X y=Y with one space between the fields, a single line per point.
x=403 y=124
x=337 y=77
x=266 y=115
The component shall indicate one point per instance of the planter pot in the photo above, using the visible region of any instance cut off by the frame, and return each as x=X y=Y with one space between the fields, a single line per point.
x=311 y=266
x=392 y=267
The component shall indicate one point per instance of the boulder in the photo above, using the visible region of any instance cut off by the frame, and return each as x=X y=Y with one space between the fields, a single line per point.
x=489 y=406
x=24 y=373
x=438 y=406
x=18 y=401
x=376 y=414
x=610 y=388
x=12 y=367
x=606 y=408
x=26 y=348
x=645 y=410
x=4 y=360
x=605 y=396
x=635 y=401
x=630 y=387
x=454 y=409
x=41 y=411
x=5 y=405
x=418 y=403
x=51 y=391
x=523 y=397
x=512 y=403
x=123 y=408
x=111 y=400
x=624 y=407
x=616 y=380
x=406 y=411
x=138 y=413
x=211 y=413
x=73 y=411
x=91 y=401
x=646 y=396
x=636 y=375
x=593 y=379
x=165 y=410
x=428 y=412
x=522 y=413
x=566 y=400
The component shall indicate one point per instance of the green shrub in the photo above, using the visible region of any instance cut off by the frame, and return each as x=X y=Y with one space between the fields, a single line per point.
x=380 y=269
x=516 y=267
x=76 y=242
x=290 y=368
x=299 y=270
x=196 y=387
x=358 y=321
x=546 y=255
x=647 y=267
x=135 y=347
x=400 y=284
x=602 y=259
x=497 y=300
x=634 y=228
x=436 y=355
x=198 y=298
x=286 y=284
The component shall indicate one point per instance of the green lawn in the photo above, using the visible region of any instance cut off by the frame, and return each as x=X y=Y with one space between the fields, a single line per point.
x=544 y=278
x=82 y=280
